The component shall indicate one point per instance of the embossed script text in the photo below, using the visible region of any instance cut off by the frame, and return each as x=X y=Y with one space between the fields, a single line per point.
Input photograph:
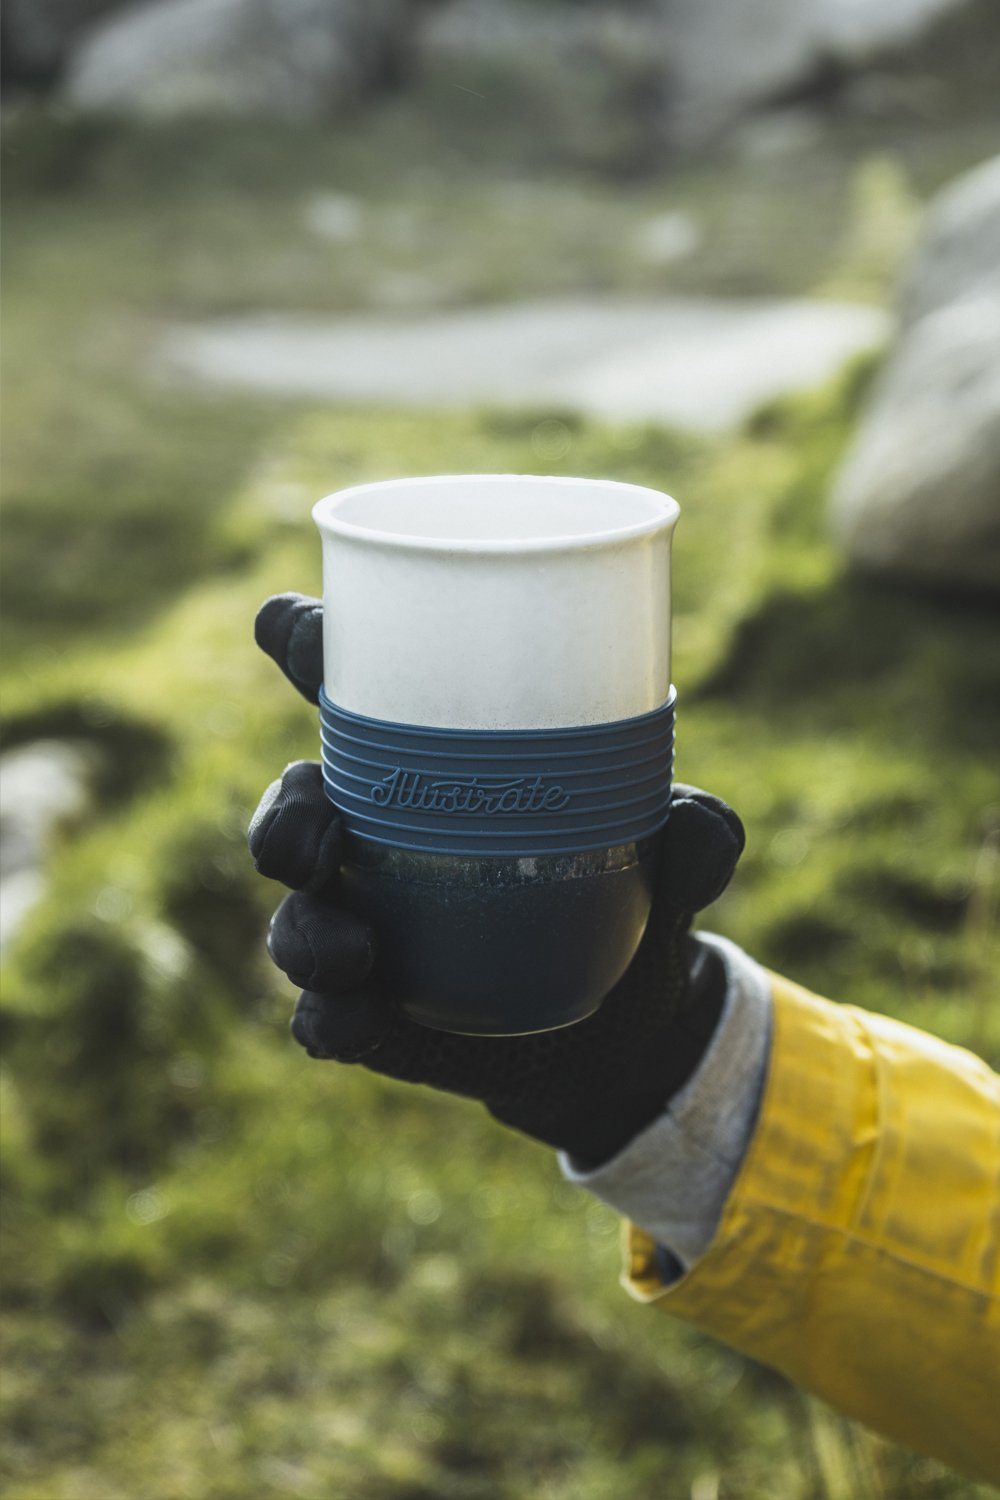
x=468 y=794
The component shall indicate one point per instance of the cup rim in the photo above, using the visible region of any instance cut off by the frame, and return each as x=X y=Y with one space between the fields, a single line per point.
x=324 y=513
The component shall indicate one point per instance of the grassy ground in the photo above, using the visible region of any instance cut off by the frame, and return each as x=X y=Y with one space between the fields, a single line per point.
x=231 y=1272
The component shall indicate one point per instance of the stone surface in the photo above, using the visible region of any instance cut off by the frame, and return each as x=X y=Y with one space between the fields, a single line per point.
x=698 y=363
x=39 y=35
x=919 y=493
x=731 y=55
x=42 y=784
x=291 y=59
x=708 y=62
x=959 y=250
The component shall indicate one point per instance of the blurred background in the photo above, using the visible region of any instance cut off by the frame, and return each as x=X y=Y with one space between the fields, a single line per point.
x=743 y=250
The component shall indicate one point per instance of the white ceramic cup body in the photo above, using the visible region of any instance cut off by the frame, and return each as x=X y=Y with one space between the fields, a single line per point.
x=497 y=601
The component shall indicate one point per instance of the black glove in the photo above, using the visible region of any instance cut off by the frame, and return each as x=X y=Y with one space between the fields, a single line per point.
x=588 y=1088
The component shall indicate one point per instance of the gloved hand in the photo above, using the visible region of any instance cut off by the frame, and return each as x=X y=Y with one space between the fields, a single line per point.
x=588 y=1088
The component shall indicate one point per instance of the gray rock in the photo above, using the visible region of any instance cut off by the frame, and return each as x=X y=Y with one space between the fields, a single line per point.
x=708 y=62
x=959 y=250
x=39 y=35
x=919 y=493
x=42 y=785
x=290 y=59
x=733 y=55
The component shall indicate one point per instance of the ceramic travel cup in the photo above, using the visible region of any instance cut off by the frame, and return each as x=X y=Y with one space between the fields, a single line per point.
x=497 y=733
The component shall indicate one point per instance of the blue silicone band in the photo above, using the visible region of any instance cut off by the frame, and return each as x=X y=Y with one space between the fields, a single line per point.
x=516 y=792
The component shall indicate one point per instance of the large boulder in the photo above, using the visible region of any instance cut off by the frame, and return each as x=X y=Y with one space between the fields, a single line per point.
x=39 y=35
x=729 y=56
x=289 y=59
x=701 y=65
x=959 y=249
x=919 y=493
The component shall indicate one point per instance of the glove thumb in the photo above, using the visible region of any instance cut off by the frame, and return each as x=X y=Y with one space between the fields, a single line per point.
x=702 y=842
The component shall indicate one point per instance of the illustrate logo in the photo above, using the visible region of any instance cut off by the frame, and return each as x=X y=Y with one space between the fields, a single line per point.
x=484 y=797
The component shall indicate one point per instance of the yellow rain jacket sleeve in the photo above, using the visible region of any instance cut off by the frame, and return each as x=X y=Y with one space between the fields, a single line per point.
x=859 y=1249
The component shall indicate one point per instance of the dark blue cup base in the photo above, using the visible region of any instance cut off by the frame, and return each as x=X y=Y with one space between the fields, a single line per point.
x=500 y=946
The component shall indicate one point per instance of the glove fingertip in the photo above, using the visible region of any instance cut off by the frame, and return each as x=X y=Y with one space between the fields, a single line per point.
x=289 y=629
x=707 y=803
x=295 y=833
x=704 y=839
x=260 y=824
x=343 y=1029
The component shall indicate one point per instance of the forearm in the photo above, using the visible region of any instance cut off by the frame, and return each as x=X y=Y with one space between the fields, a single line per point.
x=857 y=1248
x=675 y=1176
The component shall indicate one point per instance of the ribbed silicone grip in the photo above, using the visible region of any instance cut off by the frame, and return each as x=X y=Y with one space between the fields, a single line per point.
x=517 y=792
